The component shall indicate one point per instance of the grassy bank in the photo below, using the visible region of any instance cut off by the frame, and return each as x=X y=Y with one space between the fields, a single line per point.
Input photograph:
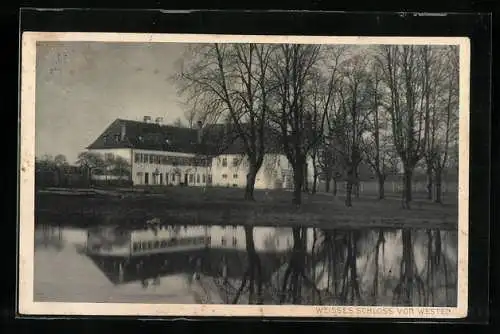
x=215 y=206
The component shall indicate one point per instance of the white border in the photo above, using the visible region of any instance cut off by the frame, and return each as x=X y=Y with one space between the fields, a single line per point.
x=26 y=211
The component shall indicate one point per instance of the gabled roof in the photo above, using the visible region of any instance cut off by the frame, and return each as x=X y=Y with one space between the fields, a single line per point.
x=215 y=138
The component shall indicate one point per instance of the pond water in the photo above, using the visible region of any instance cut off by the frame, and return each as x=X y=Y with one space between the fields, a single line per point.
x=252 y=265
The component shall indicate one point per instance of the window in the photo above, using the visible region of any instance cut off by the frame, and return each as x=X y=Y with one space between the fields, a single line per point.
x=161 y=178
x=136 y=247
x=166 y=178
x=117 y=138
x=209 y=178
x=235 y=176
x=146 y=158
x=108 y=156
x=203 y=178
x=191 y=178
x=223 y=241
x=137 y=157
x=197 y=178
x=105 y=139
x=236 y=162
x=224 y=162
x=146 y=178
x=224 y=176
x=158 y=159
x=157 y=244
x=235 y=241
x=163 y=243
x=151 y=158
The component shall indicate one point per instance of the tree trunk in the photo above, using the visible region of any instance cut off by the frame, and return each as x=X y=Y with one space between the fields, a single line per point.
x=348 y=194
x=315 y=183
x=254 y=269
x=89 y=171
x=327 y=185
x=407 y=184
x=250 y=186
x=429 y=183
x=438 y=186
x=298 y=178
x=305 y=182
x=381 y=190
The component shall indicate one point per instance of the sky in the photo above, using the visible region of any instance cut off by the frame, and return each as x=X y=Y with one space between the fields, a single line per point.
x=81 y=87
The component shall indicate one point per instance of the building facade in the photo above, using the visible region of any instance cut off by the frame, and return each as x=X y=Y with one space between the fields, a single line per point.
x=164 y=155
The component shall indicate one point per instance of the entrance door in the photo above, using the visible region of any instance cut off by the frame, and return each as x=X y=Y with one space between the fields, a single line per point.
x=146 y=178
x=161 y=178
x=185 y=179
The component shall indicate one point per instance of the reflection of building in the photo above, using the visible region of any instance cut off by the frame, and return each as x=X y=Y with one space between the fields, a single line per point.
x=113 y=241
x=129 y=255
x=167 y=155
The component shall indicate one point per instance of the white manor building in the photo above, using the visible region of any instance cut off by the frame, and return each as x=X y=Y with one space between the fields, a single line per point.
x=165 y=155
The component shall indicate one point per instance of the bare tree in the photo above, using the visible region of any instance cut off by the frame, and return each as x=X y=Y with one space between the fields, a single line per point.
x=406 y=72
x=351 y=117
x=229 y=81
x=292 y=70
x=377 y=149
x=443 y=123
x=320 y=102
x=60 y=160
x=90 y=161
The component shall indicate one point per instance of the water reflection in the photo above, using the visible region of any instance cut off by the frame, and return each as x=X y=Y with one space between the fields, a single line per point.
x=270 y=265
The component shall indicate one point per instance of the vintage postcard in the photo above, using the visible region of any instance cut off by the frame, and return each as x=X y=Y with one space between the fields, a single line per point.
x=236 y=175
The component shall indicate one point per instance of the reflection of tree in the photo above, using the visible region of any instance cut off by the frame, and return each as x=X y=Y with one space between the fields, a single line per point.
x=295 y=277
x=436 y=260
x=409 y=278
x=253 y=273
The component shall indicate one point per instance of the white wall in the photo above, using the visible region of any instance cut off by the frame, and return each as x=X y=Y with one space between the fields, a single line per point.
x=270 y=175
x=176 y=174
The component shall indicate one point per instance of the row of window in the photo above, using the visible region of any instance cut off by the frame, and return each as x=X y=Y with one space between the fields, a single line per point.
x=170 y=160
x=159 y=244
x=158 y=178
x=223 y=161
x=224 y=176
x=165 y=243
x=223 y=241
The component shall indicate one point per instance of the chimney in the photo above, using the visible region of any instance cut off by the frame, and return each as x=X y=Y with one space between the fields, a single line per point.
x=159 y=120
x=147 y=119
x=123 y=132
x=200 y=131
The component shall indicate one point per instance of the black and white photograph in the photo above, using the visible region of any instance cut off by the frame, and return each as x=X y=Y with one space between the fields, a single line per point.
x=216 y=175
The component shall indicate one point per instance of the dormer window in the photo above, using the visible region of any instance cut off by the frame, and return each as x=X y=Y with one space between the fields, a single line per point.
x=117 y=138
x=105 y=139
